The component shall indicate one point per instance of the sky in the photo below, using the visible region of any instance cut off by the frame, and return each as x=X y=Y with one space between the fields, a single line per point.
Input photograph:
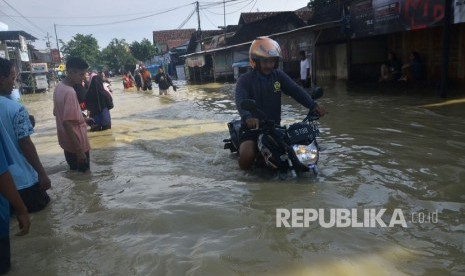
x=129 y=20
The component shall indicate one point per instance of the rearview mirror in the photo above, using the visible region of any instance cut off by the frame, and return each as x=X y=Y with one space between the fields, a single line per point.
x=248 y=105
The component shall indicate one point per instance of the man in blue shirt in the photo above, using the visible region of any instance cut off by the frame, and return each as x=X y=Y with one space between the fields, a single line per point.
x=29 y=176
x=9 y=194
x=264 y=84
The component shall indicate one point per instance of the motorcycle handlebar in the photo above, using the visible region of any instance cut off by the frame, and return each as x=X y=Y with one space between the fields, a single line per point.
x=263 y=124
x=312 y=116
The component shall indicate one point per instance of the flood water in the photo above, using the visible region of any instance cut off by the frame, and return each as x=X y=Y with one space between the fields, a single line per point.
x=164 y=198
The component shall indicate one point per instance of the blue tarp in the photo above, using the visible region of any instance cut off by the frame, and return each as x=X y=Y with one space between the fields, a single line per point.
x=153 y=69
x=241 y=64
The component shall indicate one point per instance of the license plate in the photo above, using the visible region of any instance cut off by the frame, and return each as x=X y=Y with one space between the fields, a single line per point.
x=299 y=133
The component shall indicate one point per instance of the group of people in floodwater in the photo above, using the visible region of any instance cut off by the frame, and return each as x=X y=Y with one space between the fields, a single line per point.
x=96 y=100
x=393 y=70
x=142 y=79
x=96 y=97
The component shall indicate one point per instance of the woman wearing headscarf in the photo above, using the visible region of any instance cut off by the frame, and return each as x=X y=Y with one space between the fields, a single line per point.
x=99 y=101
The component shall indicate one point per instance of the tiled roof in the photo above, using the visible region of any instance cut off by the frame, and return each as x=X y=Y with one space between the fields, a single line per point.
x=176 y=42
x=164 y=36
x=172 y=38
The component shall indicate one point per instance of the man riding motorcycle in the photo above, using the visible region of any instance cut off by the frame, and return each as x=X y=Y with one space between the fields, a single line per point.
x=264 y=84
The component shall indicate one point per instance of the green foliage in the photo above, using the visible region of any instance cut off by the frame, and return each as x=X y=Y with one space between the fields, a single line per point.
x=144 y=50
x=117 y=55
x=83 y=46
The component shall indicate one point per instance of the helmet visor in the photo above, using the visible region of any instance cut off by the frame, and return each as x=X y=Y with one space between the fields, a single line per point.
x=268 y=61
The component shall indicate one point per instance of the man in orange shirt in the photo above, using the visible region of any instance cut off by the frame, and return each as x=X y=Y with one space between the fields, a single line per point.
x=146 y=78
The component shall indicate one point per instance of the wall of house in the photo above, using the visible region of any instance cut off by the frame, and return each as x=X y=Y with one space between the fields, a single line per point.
x=428 y=43
x=341 y=59
x=291 y=45
x=326 y=62
x=222 y=62
x=241 y=53
x=331 y=62
x=365 y=56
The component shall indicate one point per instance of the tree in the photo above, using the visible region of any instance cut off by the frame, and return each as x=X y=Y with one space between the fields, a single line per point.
x=117 y=55
x=144 y=50
x=83 y=46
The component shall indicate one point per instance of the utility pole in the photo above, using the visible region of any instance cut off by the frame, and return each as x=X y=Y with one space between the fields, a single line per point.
x=199 y=30
x=198 y=15
x=49 y=46
x=48 y=40
x=56 y=38
x=224 y=20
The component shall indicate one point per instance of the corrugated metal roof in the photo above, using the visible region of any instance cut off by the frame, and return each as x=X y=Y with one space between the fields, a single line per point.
x=277 y=22
x=248 y=17
x=14 y=35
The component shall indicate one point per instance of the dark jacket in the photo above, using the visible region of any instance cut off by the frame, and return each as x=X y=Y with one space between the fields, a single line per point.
x=266 y=91
x=97 y=97
x=81 y=92
x=138 y=80
x=163 y=80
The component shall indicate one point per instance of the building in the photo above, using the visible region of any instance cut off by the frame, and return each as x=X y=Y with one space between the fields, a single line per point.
x=171 y=44
x=215 y=63
x=348 y=40
x=17 y=47
x=369 y=29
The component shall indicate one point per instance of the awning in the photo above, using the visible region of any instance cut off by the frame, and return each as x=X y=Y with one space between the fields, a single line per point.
x=14 y=35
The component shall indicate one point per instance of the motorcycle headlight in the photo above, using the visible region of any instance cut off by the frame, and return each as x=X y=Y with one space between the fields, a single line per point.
x=307 y=154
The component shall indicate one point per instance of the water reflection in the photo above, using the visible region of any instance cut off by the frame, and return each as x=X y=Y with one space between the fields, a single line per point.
x=164 y=198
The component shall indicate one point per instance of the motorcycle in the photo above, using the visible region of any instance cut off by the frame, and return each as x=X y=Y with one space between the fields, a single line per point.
x=289 y=149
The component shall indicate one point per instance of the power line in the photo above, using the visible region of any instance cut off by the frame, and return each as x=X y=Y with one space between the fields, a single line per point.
x=17 y=22
x=87 y=17
x=209 y=4
x=25 y=18
x=221 y=3
x=241 y=8
x=232 y=2
x=120 y=21
x=187 y=19
x=208 y=19
x=253 y=5
x=204 y=5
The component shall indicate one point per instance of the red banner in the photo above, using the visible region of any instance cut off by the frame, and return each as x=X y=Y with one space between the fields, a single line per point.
x=371 y=17
x=56 y=56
